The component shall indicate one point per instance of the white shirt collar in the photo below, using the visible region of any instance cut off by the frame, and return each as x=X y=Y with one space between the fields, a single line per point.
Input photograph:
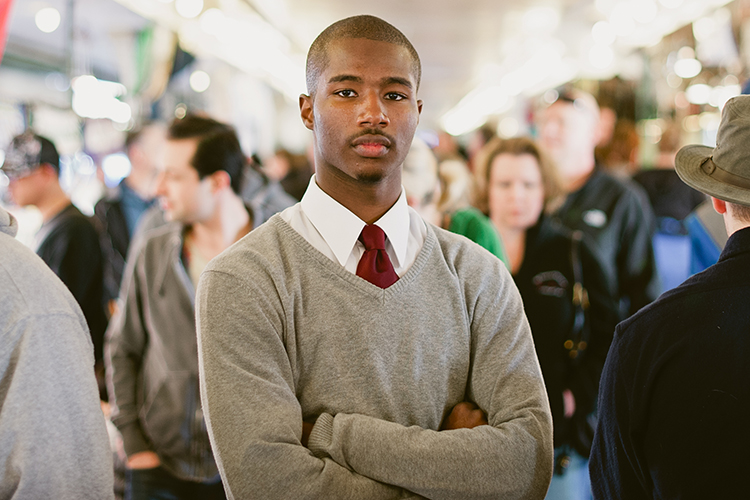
x=340 y=228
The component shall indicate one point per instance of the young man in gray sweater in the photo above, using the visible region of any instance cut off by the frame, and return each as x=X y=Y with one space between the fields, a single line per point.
x=350 y=350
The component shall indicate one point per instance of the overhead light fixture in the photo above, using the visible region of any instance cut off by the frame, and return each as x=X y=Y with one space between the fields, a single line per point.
x=188 y=8
x=47 y=19
x=93 y=98
x=601 y=56
x=700 y=93
x=199 y=81
x=603 y=33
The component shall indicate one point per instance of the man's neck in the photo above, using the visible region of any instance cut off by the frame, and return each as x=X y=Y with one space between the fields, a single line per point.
x=141 y=183
x=368 y=201
x=53 y=203
x=229 y=222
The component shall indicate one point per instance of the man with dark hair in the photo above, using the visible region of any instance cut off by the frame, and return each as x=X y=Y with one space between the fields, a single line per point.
x=342 y=335
x=151 y=355
x=674 y=396
x=67 y=240
x=118 y=213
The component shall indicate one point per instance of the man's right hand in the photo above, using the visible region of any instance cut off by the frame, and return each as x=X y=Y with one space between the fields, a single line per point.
x=143 y=460
x=464 y=415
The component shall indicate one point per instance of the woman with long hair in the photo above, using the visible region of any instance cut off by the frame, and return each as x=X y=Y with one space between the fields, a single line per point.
x=567 y=301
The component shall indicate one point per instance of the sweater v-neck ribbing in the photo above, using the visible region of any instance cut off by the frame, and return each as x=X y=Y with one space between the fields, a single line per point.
x=336 y=269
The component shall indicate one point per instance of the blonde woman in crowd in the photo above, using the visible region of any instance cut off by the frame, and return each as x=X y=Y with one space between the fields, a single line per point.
x=565 y=294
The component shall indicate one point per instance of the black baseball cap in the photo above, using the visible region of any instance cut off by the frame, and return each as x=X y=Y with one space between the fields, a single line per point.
x=27 y=152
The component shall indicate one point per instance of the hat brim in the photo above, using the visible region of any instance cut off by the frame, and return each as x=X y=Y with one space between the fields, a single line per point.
x=688 y=166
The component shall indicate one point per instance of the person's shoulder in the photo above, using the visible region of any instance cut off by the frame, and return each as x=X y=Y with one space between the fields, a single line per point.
x=462 y=254
x=28 y=286
x=265 y=244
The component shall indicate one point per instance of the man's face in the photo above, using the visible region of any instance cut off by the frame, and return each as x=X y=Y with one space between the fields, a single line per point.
x=364 y=111
x=183 y=196
x=567 y=133
x=26 y=189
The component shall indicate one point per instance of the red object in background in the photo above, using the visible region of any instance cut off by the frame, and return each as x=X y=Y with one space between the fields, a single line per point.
x=5 y=6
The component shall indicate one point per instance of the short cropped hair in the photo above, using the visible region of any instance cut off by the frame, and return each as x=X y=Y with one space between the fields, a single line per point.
x=516 y=146
x=741 y=212
x=218 y=147
x=369 y=27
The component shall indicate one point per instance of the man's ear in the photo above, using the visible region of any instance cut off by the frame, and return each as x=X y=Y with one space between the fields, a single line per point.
x=419 y=105
x=220 y=180
x=719 y=205
x=48 y=171
x=306 y=110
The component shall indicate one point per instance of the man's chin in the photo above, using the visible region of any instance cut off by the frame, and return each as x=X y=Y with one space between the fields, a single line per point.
x=370 y=177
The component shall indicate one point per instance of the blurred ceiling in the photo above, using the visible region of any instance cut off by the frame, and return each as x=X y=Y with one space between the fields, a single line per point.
x=478 y=56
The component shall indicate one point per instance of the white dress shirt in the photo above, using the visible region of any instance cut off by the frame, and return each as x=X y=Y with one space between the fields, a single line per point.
x=334 y=231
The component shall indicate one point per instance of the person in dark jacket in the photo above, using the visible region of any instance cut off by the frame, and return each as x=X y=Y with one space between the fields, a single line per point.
x=674 y=397
x=566 y=297
x=614 y=213
x=117 y=214
x=67 y=241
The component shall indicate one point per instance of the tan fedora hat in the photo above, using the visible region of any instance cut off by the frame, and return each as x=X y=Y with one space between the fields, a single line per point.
x=724 y=171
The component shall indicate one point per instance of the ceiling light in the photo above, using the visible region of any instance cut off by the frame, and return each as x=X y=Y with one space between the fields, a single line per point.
x=541 y=19
x=213 y=22
x=508 y=127
x=645 y=11
x=699 y=93
x=47 y=19
x=622 y=19
x=199 y=81
x=188 y=8
x=601 y=56
x=687 y=68
x=603 y=33
x=704 y=28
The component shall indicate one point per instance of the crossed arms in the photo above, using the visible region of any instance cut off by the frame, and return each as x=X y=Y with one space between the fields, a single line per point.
x=252 y=391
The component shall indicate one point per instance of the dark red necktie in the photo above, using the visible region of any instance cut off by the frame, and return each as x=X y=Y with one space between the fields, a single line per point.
x=375 y=266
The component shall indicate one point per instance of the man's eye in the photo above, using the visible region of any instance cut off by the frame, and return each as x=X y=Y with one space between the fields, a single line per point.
x=395 y=96
x=345 y=93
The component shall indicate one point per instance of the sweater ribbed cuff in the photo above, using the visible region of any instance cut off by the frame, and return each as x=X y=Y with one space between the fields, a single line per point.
x=321 y=436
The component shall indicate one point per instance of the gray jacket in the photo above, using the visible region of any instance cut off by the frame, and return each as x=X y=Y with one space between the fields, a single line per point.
x=151 y=357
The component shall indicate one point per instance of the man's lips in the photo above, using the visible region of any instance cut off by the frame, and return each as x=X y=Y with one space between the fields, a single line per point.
x=371 y=146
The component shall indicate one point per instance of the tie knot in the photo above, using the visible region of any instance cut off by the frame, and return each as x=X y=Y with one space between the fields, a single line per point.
x=372 y=237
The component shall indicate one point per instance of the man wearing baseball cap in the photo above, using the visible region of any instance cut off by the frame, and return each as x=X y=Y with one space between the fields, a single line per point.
x=67 y=240
x=674 y=399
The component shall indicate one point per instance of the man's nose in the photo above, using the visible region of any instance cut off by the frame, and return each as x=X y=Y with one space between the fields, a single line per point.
x=372 y=112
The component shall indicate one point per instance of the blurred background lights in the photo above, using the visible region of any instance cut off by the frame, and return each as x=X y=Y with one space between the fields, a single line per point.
x=115 y=167
x=93 y=98
x=699 y=93
x=213 y=22
x=508 y=127
x=188 y=8
x=199 y=81
x=541 y=19
x=687 y=68
x=601 y=56
x=603 y=33
x=47 y=19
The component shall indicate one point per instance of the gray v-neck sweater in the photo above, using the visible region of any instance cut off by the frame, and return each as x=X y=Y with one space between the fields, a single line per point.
x=286 y=334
